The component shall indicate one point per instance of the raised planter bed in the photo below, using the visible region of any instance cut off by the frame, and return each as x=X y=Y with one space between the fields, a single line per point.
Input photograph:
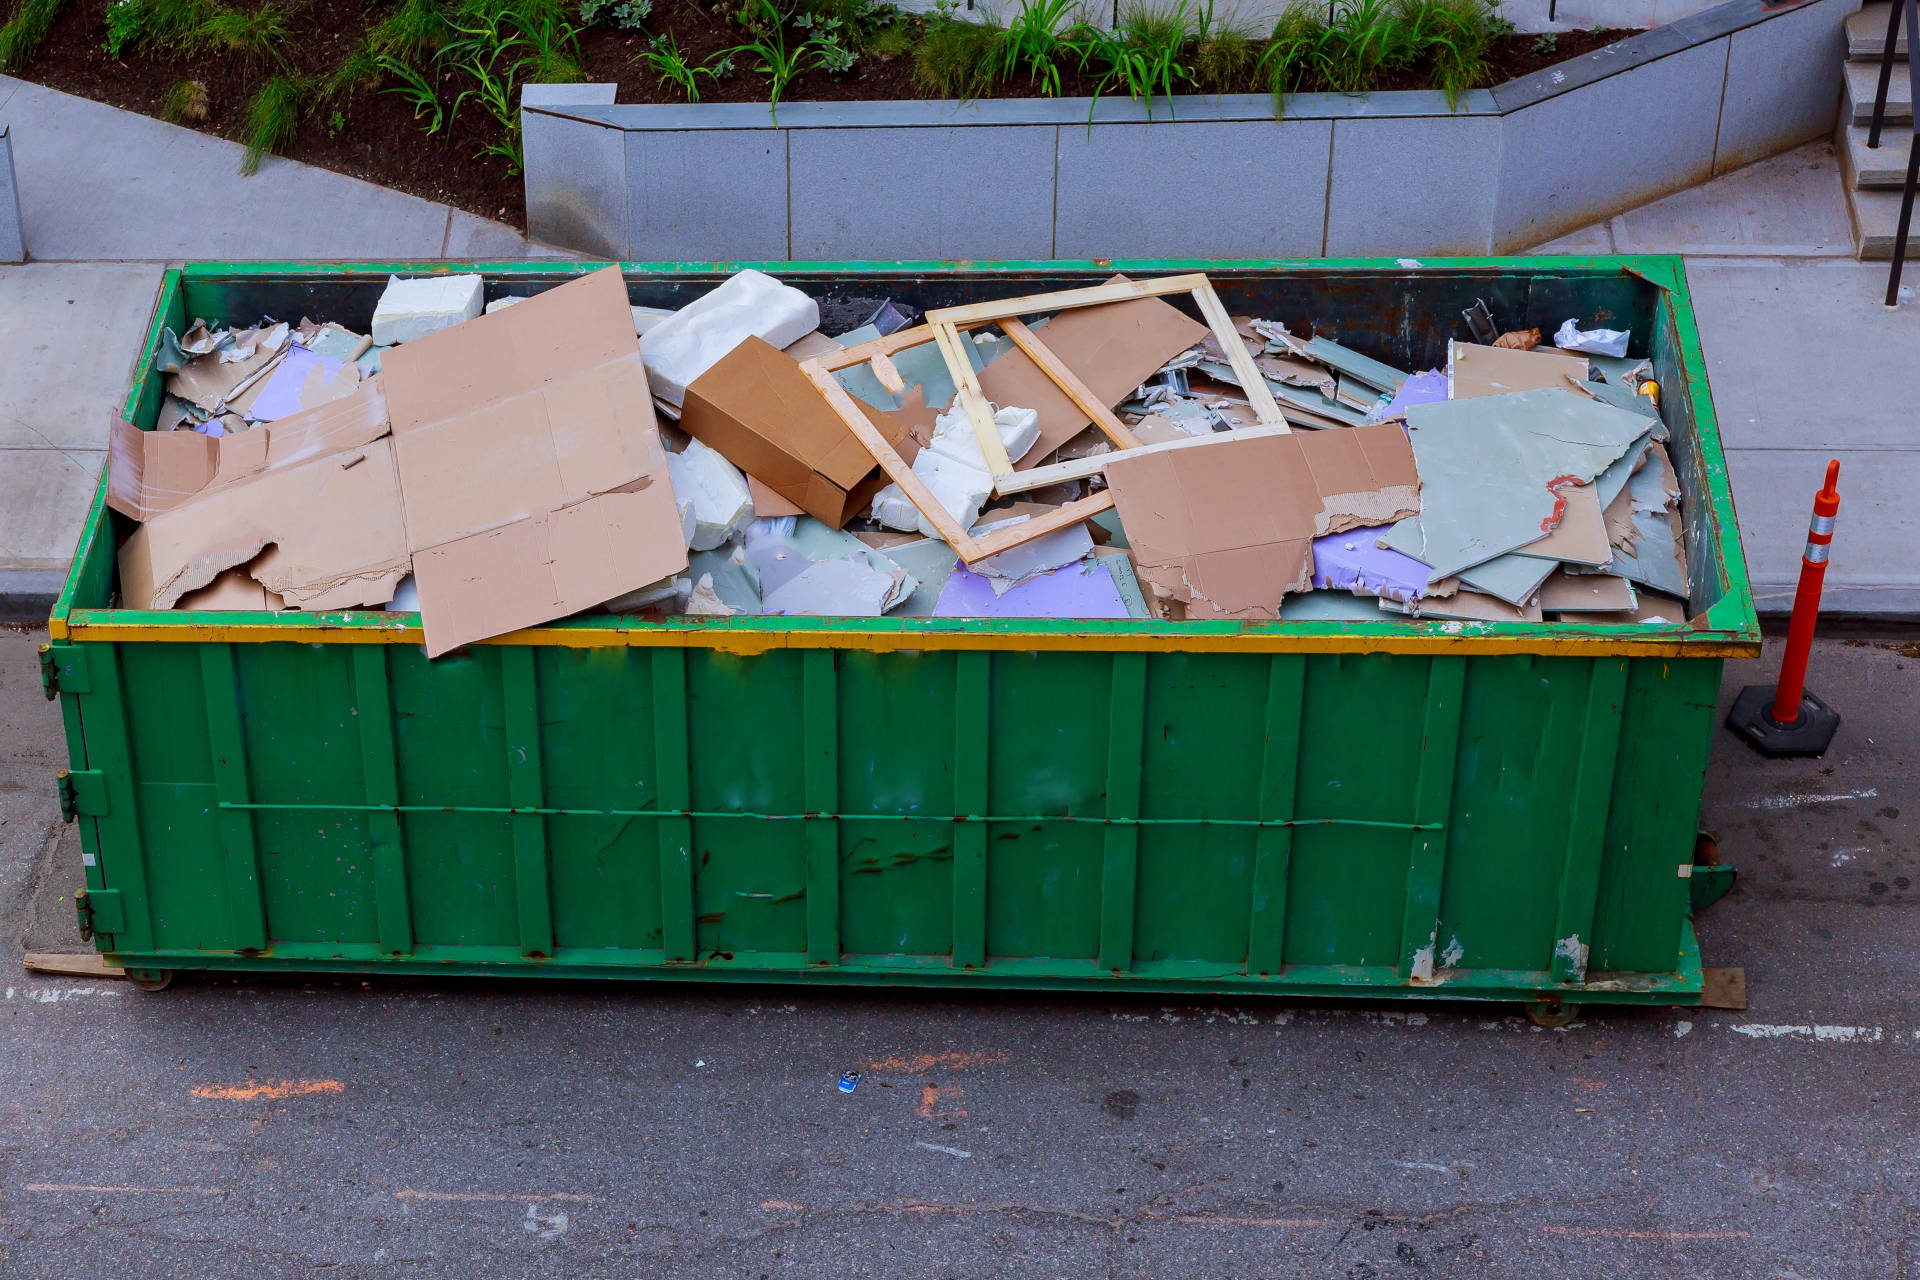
x=1392 y=173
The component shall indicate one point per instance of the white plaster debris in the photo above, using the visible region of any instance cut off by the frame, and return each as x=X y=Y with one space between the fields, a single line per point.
x=716 y=491
x=955 y=1152
x=1824 y=1033
x=410 y=309
x=704 y=602
x=1800 y=800
x=1043 y=554
x=749 y=304
x=953 y=467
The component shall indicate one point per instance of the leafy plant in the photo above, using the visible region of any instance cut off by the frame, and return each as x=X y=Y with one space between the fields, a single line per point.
x=336 y=121
x=360 y=70
x=1141 y=55
x=664 y=59
x=416 y=89
x=774 y=55
x=1297 y=53
x=629 y=15
x=134 y=25
x=891 y=41
x=825 y=35
x=272 y=117
x=1546 y=43
x=414 y=29
x=251 y=34
x=26 y=30
x=957 y=59
x=186 y=101
x=1036 y=39
x=1222 y=52
x=1453 y=37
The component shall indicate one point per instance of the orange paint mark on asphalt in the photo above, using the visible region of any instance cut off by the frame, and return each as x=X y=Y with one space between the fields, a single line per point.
x=957 y=1060
x=932 y=1094
x=786 y=1205
x=270 y=1089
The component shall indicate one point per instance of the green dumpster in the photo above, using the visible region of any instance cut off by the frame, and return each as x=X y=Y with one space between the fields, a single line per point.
x=1437 y=809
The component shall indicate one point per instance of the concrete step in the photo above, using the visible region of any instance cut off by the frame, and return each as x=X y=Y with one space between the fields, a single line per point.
x=1876 y=216
x=1883 y=166
x=1863 y=78
x=1867 y=34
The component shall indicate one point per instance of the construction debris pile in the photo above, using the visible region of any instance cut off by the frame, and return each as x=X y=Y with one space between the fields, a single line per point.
x=1090 y=454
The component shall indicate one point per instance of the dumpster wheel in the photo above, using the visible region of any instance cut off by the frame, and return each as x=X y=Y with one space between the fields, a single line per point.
x=1551 y=1012
x=150 y=979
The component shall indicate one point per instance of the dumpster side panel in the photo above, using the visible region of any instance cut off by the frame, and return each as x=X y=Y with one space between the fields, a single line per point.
x=1654 y=814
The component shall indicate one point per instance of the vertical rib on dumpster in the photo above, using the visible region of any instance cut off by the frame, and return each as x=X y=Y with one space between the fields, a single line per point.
x=820 y=738
x=373 y=699
x=220 y=691
x=1121 y=866
x=1587 y=823
x=676 y=832
x=533 y=893
x=110 y=750
x=1432 y=806
x=1279 y=785
x=972 y=688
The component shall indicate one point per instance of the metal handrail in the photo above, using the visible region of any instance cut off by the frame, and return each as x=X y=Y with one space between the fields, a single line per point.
x=1895 y=10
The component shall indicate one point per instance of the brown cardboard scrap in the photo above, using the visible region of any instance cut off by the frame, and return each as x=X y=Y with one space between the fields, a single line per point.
x=1585 y=593
x=233 y=590
x=769 y=505
x=1581 y=535
x=1112 y=347
x=213 y=380
x=809 y=345
x=1518 y=339
x=1474 y=370
x=1226 y=526
x=761 y=411
x=535 y=481
x=333 y=523
x=151 y=472
x=1295 y=372
x=1658 y=606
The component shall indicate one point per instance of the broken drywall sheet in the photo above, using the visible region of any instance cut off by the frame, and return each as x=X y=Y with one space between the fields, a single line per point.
x=1352 y=562
x=1648 y=534
x=304 y=379
x=1226 y=527
x=1331 y=606
x=1468 y=606
x=413 y=308
x=1513 y=578
x=151 y=472
x=1308 y=399
x=333 y=524
x=931 y=562
x=1382 y=377
x=1581 y=535
x=731 y=576
x=535 y=481
x=765 y=416
x=747 y=304
x=921 y=366
x=1075 y=591
x=212 y=381
x=1421 y=388
x=1474 y=370
x=1526 y=447
x=1587 y=593
x=1112 y=347
x=1044 y=554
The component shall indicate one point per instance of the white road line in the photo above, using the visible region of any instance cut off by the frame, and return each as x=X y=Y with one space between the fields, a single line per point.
x=410 y=1195
x=1801 y=799
x=955 y=1152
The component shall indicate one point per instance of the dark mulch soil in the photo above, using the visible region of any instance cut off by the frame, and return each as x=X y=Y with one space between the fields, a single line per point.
x=375 y=136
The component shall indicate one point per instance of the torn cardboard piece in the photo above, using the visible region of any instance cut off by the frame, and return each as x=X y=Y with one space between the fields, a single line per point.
x=213 y=380
x=303 y=379
x=152 y=472
x=1226 y=526
x=235 y=590
x=761 y=412
x=1112 y=347
x=535 y=481
x=1474 y=370
x=333 y=524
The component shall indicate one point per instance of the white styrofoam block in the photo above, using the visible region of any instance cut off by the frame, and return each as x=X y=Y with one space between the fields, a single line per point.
x=644 y=318
x=501 y=304
x=410 y=309
x=717 y=491
x=953 y=467
x=749 y=304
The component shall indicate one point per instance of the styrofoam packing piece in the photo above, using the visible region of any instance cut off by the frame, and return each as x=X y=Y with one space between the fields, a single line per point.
x=410 y=309
x=955 y=470
x=716 y=491
x=748 y=304
x=704 y=602
x=845 y=588
x=501 y=304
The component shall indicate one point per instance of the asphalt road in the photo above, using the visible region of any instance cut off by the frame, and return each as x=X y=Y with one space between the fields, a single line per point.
x=471 y=1129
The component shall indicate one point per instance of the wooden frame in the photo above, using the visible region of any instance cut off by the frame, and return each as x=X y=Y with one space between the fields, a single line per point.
x=820 y=370
x=947 y=323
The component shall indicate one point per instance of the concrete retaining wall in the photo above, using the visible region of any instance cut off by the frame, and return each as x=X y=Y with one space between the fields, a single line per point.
x=1390 y=174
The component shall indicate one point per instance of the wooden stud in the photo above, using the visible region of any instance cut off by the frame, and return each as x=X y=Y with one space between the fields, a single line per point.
x=1081 y=468
x=889 y=376
x=973 y=400
x=1068 y=381
x=1063 y=300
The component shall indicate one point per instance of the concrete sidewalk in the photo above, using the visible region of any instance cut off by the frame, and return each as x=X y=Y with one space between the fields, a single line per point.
x=1804 y=361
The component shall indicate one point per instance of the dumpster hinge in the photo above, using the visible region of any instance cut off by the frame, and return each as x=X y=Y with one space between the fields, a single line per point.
x=83 y=792
x=98 y=911
x=63 y=669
